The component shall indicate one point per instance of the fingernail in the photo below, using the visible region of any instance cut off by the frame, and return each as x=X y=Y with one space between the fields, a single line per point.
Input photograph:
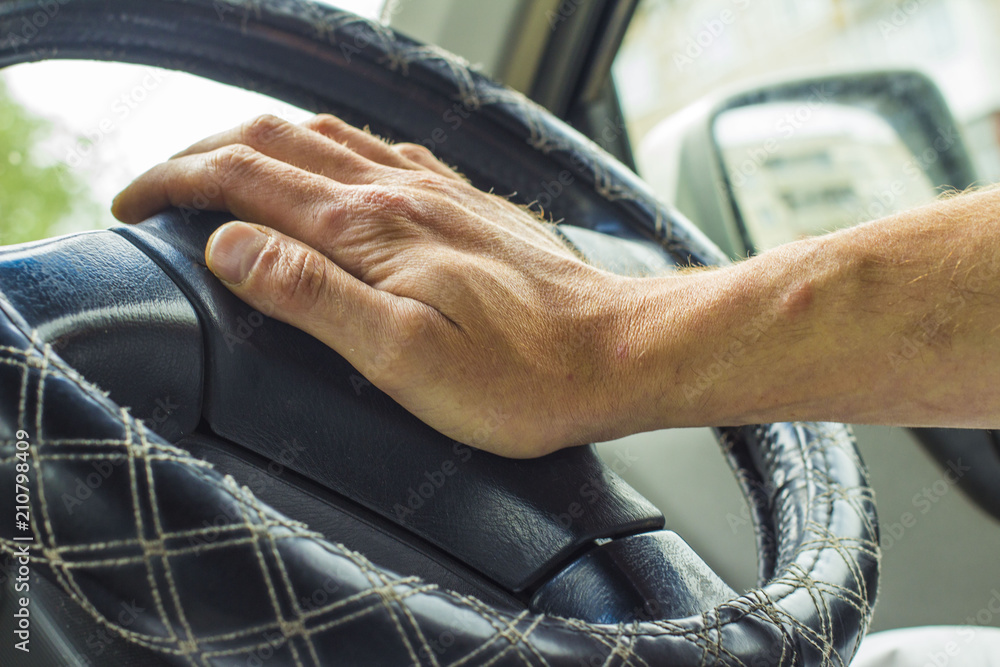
x=233 y=249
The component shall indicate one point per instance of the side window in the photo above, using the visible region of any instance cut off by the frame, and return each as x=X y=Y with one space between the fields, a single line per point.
x=679 y=51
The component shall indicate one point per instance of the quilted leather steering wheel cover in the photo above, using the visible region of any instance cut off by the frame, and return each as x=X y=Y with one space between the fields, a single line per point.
x=806 y=481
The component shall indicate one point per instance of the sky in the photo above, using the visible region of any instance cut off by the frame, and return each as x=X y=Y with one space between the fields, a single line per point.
x=113 y=121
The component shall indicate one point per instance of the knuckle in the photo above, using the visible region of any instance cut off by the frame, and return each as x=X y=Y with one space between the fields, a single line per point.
x=326 y=124
x=425 y=180
x=396 y=203
x=263 y=130
x=430 y=182
x=232 y=162
x=306 y=281
x=415 y=152
x=297 y=276
x=334 y=219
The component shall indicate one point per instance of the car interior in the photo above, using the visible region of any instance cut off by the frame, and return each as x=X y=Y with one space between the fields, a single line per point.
x=195 y=483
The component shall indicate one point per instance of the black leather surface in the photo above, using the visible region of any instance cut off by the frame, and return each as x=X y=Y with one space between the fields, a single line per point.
x=220 y=576
x=361 y=530
x=641 y=577
x=63 y=633
x=219 y=602
x=268 y=383
x=116 y=318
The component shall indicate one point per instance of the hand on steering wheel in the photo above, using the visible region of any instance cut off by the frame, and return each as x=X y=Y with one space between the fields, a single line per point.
x=453 y=301
x=497 y=521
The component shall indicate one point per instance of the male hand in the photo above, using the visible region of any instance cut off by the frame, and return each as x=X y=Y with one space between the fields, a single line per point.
x=460 y=305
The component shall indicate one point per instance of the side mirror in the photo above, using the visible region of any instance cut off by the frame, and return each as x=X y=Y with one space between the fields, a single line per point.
x=761 y=167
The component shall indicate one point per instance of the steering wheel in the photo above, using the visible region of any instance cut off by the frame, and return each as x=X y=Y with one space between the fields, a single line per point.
x=474 y=559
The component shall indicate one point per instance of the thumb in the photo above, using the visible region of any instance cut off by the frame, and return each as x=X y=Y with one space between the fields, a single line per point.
x=292 y=282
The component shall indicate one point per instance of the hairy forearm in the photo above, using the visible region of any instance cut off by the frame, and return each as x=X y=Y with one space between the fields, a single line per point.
x=893 y=322
x=428 y=286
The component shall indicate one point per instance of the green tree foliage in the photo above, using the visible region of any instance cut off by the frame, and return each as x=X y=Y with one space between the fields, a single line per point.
x=38 y=198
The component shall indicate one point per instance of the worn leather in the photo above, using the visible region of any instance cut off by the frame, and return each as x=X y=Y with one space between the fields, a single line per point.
x=143 y=532
x=114 y=316
x=640 y=577
x=222 y=576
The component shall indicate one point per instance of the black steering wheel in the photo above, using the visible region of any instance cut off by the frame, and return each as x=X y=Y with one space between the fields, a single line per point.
x=553 y=561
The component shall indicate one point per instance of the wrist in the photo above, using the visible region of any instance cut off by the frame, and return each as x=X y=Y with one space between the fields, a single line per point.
x=658 y=327
x=716 y=346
